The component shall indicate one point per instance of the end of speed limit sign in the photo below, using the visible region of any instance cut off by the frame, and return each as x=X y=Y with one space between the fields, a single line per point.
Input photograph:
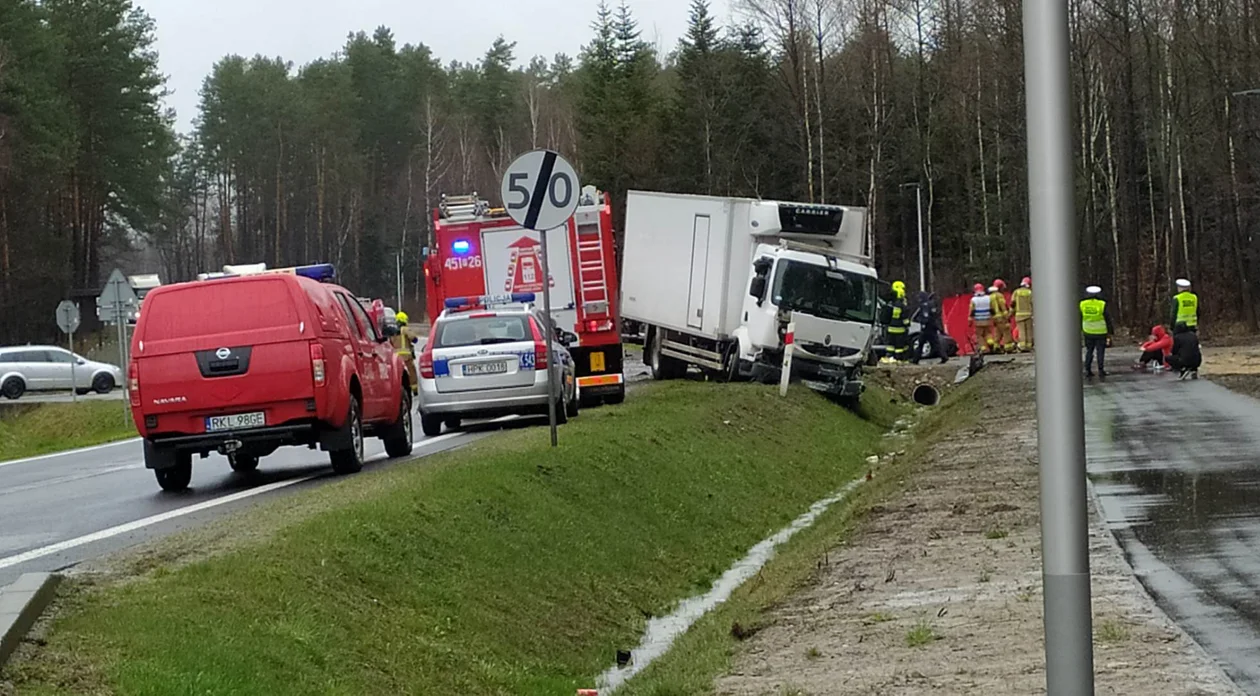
x=540 y=190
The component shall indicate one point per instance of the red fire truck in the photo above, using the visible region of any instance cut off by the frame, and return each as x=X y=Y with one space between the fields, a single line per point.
x=478 y=250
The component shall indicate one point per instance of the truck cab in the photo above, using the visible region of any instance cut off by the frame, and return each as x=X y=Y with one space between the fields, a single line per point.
x=830 y=301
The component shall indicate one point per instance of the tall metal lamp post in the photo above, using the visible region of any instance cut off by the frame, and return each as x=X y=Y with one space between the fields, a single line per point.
x=918 y=199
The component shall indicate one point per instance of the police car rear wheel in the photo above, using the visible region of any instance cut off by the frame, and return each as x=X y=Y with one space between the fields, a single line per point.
x=431 y=426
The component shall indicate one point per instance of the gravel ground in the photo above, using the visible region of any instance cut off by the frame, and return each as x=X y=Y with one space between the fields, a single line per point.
x=939 y=591
x=1234 y=367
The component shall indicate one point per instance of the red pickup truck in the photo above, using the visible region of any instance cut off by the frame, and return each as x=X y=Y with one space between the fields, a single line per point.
x=244 y=364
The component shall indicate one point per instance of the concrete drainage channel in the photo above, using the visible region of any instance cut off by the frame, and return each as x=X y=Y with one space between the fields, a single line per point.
x=21 y=605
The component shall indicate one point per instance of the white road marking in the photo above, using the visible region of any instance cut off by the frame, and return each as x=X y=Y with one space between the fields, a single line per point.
x=70 y=453
x=111 y=532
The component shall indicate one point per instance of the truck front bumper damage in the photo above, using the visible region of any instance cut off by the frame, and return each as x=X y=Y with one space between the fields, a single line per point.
x=825 y=377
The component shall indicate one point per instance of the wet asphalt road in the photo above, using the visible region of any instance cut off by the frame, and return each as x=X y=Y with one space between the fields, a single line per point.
x=1176 y=470
x=60 y=510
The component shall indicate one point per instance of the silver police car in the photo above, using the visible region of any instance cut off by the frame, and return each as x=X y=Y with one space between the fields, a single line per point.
x=486 y=357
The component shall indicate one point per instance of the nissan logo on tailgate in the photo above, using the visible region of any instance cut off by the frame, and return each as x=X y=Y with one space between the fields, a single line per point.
x=223 y=353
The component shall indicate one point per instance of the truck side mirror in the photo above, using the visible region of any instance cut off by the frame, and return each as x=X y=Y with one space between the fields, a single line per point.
x=758 y=288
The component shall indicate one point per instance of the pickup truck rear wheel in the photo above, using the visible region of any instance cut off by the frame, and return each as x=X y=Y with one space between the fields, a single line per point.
x=398 y=436
x=350 y=461
x=174 y=479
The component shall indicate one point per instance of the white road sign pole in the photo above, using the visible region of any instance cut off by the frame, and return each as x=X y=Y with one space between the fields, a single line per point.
x=789 y=341
x=74 y=377
x=68 y=322
x=540 y=191
x=551 y=337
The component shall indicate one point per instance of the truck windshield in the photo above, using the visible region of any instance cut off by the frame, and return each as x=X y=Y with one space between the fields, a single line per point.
x=824 y=293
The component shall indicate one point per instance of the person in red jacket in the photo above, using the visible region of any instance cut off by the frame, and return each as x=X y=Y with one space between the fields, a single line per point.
x=1156 y=349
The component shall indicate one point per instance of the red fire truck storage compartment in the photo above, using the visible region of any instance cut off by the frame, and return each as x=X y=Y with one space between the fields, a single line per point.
x=478 y=250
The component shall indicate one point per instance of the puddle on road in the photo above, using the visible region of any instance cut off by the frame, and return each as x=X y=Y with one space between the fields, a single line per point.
x=661 y=632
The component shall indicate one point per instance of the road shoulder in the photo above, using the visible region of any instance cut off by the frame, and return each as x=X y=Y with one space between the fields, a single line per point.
x=939 y=588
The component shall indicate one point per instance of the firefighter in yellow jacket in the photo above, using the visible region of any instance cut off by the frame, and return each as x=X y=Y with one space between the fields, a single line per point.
x=402 y=346
x=1022 y=298
x=1001 y=316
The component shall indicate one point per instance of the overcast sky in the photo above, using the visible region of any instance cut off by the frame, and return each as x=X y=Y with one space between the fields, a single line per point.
x=192 y=35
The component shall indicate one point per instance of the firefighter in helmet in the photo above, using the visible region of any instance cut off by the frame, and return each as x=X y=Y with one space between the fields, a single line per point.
x=981 y=315
x=898 y=323
x=1022 y=299
x=402 y=346
x=1001 y=316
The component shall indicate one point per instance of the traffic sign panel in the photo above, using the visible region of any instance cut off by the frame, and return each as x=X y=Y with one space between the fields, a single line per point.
x=118 y=291
x=68 y=316
x=540 y=190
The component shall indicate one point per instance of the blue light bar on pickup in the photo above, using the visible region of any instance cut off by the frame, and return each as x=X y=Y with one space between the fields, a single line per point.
x=322 y=272
x=490 y=300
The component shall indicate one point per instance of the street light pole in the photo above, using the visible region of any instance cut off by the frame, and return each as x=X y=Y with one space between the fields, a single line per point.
x=918 y=201
x=1060 y=408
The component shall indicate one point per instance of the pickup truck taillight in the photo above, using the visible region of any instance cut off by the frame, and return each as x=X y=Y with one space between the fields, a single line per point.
x=317 y=364
x=426 y=361
x=133 y=384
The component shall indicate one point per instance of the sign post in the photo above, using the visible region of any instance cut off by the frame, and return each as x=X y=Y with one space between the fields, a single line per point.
x=68 y=321
x=540 y=191
x=114 y=305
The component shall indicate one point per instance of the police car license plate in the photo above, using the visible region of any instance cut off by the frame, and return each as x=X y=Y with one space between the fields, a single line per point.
x=494 y=368
x=237 y=421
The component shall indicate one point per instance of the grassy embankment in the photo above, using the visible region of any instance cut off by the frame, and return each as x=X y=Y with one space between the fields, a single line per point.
x=705 y=652
x=501 y=568
x=29 y=430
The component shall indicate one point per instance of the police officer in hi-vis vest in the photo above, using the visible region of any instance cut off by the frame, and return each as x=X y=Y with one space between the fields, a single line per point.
x=1097 y=328
x=1185 y=306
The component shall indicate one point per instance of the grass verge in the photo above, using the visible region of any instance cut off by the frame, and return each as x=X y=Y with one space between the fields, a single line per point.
x=35 y=429
x=502 y=568
x=705 y=652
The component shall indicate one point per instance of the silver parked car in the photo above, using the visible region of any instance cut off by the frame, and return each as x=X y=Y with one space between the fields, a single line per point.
x=48 y=368
x=485 y=359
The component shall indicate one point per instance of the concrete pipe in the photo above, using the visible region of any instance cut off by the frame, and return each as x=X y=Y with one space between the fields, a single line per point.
x=926 y=395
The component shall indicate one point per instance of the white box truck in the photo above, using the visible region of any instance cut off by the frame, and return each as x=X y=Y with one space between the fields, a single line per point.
x=715 y=282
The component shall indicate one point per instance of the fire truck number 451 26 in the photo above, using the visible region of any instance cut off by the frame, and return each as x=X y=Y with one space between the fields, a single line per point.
x=455 y=263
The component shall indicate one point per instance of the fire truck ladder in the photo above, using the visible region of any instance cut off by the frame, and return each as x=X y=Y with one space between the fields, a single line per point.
x=590 y=248
x=462 y=207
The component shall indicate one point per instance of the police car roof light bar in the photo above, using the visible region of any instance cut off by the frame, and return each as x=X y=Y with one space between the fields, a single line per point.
x=490 y=300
